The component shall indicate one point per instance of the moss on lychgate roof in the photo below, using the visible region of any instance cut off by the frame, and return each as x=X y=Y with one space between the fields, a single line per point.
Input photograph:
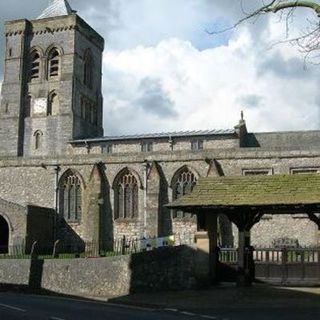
x=253 y=191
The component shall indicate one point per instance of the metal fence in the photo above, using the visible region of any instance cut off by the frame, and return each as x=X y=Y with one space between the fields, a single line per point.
x=70 y=249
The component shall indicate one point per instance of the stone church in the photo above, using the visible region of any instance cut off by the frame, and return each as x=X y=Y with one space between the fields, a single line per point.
x=61 y=178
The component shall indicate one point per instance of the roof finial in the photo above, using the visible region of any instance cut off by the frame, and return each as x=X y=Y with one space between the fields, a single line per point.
x=241 y=114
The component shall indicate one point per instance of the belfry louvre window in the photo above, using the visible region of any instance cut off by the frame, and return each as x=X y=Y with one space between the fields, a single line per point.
x=183 y=184
x=71 y=198
x=126 y=197
x=53 y=63
x=34 y=65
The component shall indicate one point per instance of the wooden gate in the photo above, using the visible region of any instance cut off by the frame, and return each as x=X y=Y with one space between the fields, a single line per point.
x=298 y=266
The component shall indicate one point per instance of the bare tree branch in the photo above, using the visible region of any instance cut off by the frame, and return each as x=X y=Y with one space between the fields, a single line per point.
x=292 y=4
x=309 y=40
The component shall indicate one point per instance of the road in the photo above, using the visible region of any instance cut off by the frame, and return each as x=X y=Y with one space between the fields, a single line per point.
x=32 y=307
x=15 y=306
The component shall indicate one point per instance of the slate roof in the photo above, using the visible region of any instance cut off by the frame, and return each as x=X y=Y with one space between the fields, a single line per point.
x=56 y=8
x=252 y=191
x=160 y=135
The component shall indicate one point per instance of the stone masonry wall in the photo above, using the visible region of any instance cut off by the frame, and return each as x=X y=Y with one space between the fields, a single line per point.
x=169 y=268
x=33 y=181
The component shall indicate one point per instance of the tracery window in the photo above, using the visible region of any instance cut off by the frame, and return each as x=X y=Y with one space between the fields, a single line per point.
x=126 y=196
x=53 y=63
x=88 y=69
x=34 y=68
x=183 y=184
x=71 y=197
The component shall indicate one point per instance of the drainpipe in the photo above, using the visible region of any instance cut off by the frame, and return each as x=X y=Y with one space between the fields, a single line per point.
x=56 y=189
x=87 y=146
x=145 y=176
x=170 y=142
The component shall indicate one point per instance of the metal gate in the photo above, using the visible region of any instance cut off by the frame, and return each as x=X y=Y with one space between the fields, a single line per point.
x=297 y=266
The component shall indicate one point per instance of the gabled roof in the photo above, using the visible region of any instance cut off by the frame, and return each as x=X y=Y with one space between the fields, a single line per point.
x=56 y=8
x=252 y=191
x=176 y=134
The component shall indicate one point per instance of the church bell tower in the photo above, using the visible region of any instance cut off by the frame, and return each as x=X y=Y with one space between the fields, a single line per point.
x=51 y=93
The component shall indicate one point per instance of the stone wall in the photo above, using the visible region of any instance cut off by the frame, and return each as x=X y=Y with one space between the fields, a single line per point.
x=33 y=181
x=16 y=218
x=167 y=268
x=27 y=224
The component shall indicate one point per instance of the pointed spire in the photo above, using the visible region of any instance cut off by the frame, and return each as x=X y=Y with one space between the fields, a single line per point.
x=56 y=8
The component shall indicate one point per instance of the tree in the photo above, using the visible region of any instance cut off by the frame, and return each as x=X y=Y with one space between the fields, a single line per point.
x=309 y=39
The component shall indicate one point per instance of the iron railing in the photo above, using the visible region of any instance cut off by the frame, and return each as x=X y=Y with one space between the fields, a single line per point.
x=71 y=249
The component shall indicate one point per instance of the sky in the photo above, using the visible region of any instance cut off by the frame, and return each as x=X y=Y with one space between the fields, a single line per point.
x=164 y=71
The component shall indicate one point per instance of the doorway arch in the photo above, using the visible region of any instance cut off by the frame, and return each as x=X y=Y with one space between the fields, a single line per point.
x=4 y=235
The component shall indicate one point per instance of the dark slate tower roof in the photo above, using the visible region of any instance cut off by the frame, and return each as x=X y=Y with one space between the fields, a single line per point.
x=56 y=8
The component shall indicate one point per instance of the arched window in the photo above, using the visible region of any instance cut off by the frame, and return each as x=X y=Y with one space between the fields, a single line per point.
x=88 y=69
x=53 y=63
x=34 y=68
x=183 y=184
x=70 y=195
x=126 y=196
x=53 y=104
x=38 y=139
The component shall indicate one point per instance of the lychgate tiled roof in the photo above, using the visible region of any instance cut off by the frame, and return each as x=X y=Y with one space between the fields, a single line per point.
x=252 y=191
x=56 y=8
x=195 y=133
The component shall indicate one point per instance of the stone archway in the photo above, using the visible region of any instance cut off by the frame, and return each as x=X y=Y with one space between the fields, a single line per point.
x=4 y=235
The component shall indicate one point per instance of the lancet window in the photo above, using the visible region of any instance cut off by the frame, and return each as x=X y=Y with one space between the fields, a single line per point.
x=53 y=104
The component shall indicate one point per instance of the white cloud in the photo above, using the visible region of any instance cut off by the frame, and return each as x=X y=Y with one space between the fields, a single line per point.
x=162 y=71
x=207 y=88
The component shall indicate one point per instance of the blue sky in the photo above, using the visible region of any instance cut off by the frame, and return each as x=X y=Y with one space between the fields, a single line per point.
x=163 y=71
